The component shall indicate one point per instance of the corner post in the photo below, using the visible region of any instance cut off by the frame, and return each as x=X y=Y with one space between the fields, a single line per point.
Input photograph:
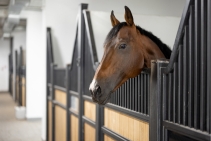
x=155 y=121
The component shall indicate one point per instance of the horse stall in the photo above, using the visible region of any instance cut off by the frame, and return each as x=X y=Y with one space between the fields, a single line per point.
x=170 y=101
x=20 y=87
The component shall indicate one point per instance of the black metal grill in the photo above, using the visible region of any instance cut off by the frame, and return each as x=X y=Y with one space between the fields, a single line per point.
x=134 y=94
x=60 y=77
x=186 y=87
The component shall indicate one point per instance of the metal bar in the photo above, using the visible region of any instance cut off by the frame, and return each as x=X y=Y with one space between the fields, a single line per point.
x=203 y=63
x=191 y=67
x=53 y=105
x=185 y=73
x=81 y=41
x=142 y=94
x=208 y=125
x=175 y=91
x=156 y=103
x=123 y=94
x=136 y=94
x=132 y=94
x=128 y=92
x=89 y=121
x=196 y=62
x=183 y=21
x=128 y=112
x=68 y=129
x=186 y=131
x=170 y=97
x=148 y=94
x=180 y=84
x=113 y=134
x=145 y=94
x=130 y=87
x=139 y=93
x=165 y=97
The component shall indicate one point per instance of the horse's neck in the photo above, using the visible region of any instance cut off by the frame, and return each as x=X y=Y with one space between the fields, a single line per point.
x=150 y=51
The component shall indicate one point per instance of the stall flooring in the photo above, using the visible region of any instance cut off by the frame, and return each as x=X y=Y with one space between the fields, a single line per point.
x=12 y=129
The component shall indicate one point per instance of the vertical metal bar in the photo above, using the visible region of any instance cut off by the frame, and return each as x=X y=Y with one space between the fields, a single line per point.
x=123 y=95
x=170 y=97
x=133 y=93
x=180 y=84
x=136 y=94
x=81 y=41
x=203 y=63
x=148 y=94
x=185 y=73
x=190 y=67
x=68 y=103
x=139 y=93
x=165 y=97
x=156 y=103
x=175 y=91
x=142 y=93
x=208 y=126
x=53 y=97
x=145 y=93
x=196 y=62
x=128 y=94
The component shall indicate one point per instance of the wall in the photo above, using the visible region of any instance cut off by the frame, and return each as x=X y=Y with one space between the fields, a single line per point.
x=35 y=64
x=63 y=21
x=4 y=64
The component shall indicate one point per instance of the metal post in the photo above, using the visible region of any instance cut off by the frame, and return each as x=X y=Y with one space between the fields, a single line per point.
x=81 y=41
x=68 y=102
x=155 y=126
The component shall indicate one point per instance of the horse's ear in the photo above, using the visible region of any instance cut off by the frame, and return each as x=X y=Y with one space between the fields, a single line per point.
x=114 y=21
x=128 y=16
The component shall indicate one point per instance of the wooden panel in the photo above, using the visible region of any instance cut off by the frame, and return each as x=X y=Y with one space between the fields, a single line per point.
x=89 y=133
x=107 y=138
x=23 y=92
x=60 y=96
x=74 y=128
x=90 y=110
x=127 y=126
x=49 y=121
x=60 y=124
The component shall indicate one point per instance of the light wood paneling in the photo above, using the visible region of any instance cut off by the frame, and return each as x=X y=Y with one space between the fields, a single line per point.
x=60 y=96
x=60 y=124
x=89 y=133
x=74 y=128
x=49 y=121
x=127 y=126
x=107 y=138
x=90 y=110
x=23 y=92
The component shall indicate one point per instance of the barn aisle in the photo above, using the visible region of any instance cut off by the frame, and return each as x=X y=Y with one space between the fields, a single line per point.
x=12 y=129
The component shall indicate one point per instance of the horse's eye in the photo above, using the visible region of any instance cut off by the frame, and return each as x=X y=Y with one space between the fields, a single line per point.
x=122 y=46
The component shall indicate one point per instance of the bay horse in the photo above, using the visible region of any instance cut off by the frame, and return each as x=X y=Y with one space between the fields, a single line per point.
x=128 y=49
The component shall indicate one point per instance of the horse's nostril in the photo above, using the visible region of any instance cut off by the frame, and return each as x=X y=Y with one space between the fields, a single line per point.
x=91 y=92
x=98 y=89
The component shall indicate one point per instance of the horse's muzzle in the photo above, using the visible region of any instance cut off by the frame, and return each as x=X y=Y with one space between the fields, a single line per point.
x=96 y=93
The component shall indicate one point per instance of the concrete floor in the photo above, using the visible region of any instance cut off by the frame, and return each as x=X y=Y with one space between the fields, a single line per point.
x=12 y=129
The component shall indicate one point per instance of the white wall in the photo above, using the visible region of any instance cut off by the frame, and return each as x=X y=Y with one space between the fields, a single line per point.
x=35 y=64
x=63 y=23
x=4 y=64
x=19 y=40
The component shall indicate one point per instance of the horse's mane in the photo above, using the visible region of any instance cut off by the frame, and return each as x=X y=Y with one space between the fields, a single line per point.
x=163 y=47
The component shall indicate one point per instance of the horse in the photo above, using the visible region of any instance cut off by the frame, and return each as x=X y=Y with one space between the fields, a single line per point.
x=128 y=49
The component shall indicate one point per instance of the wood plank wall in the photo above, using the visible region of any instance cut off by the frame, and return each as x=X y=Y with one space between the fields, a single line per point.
x=60 y=124
x=23 y=91
x=90 y=110
x=60 y=96
x=49 y=121
x=127 y=126
x=89 y=132
x=74 y=128
x=107 y=138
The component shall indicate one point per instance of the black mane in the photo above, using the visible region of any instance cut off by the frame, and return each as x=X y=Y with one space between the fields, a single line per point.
x=163 y=47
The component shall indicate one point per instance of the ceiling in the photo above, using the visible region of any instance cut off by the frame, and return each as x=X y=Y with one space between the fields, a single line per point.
x=13 y=7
